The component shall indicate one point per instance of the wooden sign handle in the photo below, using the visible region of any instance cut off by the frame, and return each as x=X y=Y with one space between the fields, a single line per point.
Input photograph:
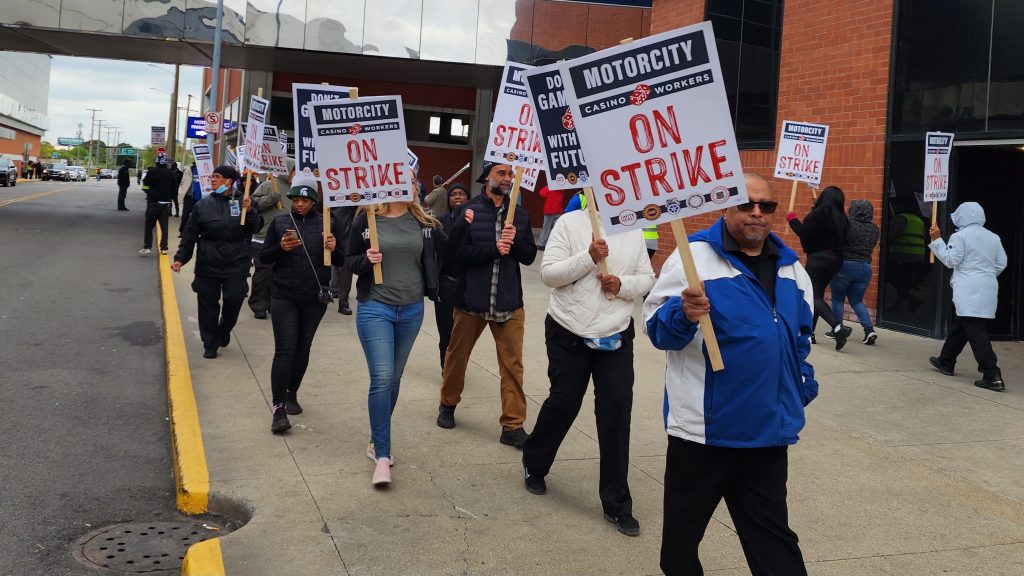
x=327 y=230
x=935 y=218
x=792 y=203
x=514 y=195
x=597 y=231
x=371 y=219
x=273 y=184
x=693 y=279
x=248 y=183
x=456 y=175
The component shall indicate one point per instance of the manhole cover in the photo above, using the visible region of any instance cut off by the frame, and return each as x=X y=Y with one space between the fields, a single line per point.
x=143 y=547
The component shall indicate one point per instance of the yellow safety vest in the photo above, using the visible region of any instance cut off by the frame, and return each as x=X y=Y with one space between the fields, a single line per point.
x=650 y=232
x=913 y=239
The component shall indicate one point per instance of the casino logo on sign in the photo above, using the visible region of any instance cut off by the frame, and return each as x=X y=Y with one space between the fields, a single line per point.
x=652 y=211
x=640 y=94
x=720 y=195
x=627 y=218
x=355 y=129
x=567 y=121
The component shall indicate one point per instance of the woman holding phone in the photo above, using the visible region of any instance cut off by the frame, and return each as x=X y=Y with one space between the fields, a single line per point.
x=389 y=315
x=295 y=246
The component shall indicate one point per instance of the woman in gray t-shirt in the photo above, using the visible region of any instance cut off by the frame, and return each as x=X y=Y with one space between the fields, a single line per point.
x=389 y=315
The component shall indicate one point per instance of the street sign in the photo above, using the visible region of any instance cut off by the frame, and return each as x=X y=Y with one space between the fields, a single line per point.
x=196 y=127
x=212 y=120
x=70 y=141
x=127 y=152
x=158 y=135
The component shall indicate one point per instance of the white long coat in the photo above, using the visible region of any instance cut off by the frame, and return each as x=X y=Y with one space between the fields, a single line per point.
x=976 y=256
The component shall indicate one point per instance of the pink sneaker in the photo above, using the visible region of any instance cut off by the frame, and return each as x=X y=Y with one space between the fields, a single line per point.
x=382 y=473
x=372 y=454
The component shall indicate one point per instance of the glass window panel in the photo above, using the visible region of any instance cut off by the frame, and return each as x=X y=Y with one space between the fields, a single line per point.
x=759 y=11
x=393 y=28
x=725 y=8
x=1006 y=99
x=92 y=16
x=41 y=13
x=435 y=124
x=278 y=23
x=335 y=26
x=201 y=19
x=449 y=30
x=494 y=27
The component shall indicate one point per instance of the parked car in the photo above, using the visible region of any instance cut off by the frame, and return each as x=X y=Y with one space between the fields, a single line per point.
x=77 y=173
x=8 y=172
x=106 y=173
x=56 y=171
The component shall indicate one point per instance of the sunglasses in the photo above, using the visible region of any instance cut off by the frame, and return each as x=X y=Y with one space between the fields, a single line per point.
x=767 y=207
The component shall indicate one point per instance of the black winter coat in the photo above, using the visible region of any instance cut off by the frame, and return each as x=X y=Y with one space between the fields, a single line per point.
x=159 y=184
x=293 y=277
x=473 y=248
x=123 y=178
x=434 y=242
x=224 y=249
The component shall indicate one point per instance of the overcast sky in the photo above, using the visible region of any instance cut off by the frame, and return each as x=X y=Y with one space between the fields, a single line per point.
x=122 y=91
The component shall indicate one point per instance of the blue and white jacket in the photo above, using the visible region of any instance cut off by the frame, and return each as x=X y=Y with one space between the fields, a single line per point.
x=758 y=399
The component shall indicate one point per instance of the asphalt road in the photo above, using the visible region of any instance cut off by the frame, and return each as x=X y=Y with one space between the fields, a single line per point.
x=83 y=406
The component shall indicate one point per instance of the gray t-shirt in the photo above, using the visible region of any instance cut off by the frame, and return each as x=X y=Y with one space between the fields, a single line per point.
x=401 y=244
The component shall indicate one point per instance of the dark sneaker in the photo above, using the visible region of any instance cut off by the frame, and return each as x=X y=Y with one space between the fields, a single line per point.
x=534 y=484
x=209 y=353
x=841 y=337
x=280 y=422
x=261 y=315
x=994 y=385
x=625 y=523
x=830 y=334
x=291 y=404
x=941 y=366
x=446 y=416
x=225 y=339
x=515 y=438
x=344 y=309
x=813 y=341
x=869 y=338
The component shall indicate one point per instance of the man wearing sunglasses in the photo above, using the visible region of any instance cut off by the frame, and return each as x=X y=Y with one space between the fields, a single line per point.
x=728 y=431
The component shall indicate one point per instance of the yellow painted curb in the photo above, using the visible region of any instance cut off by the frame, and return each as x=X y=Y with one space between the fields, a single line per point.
x=203 y=559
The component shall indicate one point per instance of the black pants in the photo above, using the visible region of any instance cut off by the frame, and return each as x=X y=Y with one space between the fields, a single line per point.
x=215 y=322
x=966 y=329
x=156 y=212
x=444 y=309
x=295 y=323
x=571 y=364
x=341 y=283
x=122 y=194
x=753 y=483
x=186 y=210
x=262 y=282
x=821 y=267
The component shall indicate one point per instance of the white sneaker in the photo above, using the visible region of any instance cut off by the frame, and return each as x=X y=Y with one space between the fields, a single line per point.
x=145 y=252
x=382 y=473
x=162 y=251
x=372 y=454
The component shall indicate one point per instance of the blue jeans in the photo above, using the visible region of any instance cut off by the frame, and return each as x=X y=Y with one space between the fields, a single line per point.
x=851 y=282
x=386 y=333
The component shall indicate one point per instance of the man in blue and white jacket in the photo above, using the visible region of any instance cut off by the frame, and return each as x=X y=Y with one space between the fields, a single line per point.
x=728 y=431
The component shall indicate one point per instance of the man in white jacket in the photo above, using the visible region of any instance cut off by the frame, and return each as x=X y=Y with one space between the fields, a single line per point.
x=976 y=256
x=589 y=335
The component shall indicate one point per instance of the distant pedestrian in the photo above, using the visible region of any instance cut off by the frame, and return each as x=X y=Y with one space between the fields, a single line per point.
x=855 y=275
x=822 y=235
x=271 y=205
x=341 y=276
x=158 y=186
x=389 y=315
x=553 y=206
x=138 y=176
x=977 y=257
x=124 y=179
x=295 y=246
x=192 y=195
x=588 y=336
x=436 y=201
x=444 y=308
x=178 y=175
x=224 y=255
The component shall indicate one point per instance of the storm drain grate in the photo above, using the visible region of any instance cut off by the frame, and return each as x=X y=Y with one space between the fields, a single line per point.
x=143 y=547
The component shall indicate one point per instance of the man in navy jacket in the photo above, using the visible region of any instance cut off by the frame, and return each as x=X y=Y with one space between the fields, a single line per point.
x=489 y=293
x=728 y=431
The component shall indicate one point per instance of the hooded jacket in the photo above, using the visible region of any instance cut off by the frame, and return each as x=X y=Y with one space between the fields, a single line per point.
x=862 y=234
x=758 y=399
x=976 y=256
x=223 y=243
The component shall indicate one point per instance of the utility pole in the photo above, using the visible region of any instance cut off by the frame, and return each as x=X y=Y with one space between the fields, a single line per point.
x=78 y=148
x=99 y=135
x=91 y=126
x=215 y=72
x=172 y=122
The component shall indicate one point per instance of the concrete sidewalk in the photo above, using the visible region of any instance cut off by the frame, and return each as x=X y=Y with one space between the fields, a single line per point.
x=900 y=470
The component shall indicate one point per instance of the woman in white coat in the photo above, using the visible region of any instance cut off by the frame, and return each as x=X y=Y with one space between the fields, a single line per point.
x=976 y=256
x=588 y=334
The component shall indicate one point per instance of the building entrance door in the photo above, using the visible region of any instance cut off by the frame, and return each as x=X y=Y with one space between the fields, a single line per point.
x=993 y=176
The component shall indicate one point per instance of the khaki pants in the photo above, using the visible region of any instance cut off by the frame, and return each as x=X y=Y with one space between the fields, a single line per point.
x=508 y=339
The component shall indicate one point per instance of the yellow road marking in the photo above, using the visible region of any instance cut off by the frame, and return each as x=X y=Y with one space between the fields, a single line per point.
x=28 y=197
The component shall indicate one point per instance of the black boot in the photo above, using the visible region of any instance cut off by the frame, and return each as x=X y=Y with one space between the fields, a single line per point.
x=291 y=404
x=446 y=416
x=280 y=422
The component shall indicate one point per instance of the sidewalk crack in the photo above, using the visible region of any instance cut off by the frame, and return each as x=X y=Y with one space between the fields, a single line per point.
x=461 y=515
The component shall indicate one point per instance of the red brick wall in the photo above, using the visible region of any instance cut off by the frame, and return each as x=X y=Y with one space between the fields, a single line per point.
x=834 y=70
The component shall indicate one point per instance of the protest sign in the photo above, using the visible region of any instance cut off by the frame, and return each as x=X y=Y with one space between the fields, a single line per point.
x=801 y=152
x=157 y=135
x=258 y=110
x=204 y=166
x=514 y=139
x=937 y=148
x=302 y=96
x=653 y=121
x=361 y=151
x=413 y=161
x=271 y=153
x=564 y=162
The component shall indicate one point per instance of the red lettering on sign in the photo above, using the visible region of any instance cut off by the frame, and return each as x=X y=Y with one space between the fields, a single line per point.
x=620 y=195
x=656 y=171
x=802 y=149
x=717 y=160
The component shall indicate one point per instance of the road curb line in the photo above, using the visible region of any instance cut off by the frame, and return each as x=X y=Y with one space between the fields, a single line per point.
x=191 y=476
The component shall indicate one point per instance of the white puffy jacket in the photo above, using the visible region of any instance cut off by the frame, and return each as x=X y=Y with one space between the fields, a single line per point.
x=577 y=302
